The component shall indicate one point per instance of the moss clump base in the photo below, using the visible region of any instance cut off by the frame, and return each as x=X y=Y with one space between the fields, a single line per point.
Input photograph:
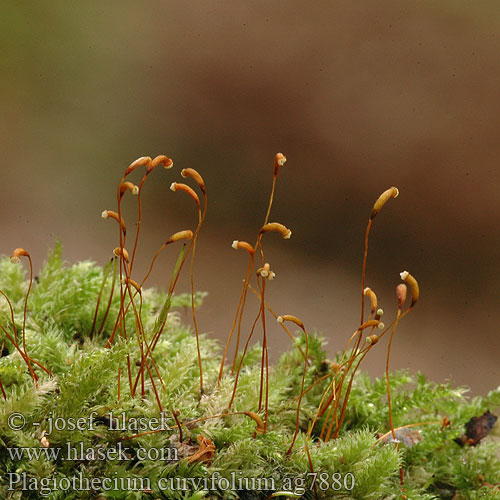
x=66 y=444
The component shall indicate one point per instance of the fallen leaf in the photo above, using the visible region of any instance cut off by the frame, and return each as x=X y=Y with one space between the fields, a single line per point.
x=205 y=453
x=476 y=429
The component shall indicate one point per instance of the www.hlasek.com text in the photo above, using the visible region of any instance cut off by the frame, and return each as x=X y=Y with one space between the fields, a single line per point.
x=78 y=452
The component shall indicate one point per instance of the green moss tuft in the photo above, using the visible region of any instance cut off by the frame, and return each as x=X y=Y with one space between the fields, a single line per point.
x=85 y=382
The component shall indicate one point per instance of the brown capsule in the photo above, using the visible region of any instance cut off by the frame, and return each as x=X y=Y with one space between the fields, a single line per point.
x=187 y=234
x=110 y=213
x=193 y=174
x=237 y=245
x=415 y=290
x=132 y=282
x=265 y=272
x=372 y=339
x=401 y=294
x=289 y=317
x=162 y=160
x=17 y=254
x=260 y=424
x=279 y=161
x=179 y=186
x=373 y=298
x=142 y=161
x=369 y=323
x=392 y=192
x=276 y=226
x=121 y=251
x=128 y=186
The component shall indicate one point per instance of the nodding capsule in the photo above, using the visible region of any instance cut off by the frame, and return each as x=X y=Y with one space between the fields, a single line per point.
x=415 y=290
x=110 y=213
x=17 y=254
x=140 y=162
x=237 y=245
x=373 y=298
x=186 y=234
x=129 y=281
x=193 y=174
x=162 y=160
x=128 y=186
x=279 y=161
x=179 y=186
x=392 y=192
x=289 y=317
x=276 y=226
x=121 y=251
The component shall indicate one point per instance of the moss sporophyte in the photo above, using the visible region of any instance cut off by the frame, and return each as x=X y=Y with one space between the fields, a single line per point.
x=105 y=394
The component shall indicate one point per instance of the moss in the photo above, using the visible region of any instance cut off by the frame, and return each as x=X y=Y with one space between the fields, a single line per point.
x=84 y=383
x=105 y=394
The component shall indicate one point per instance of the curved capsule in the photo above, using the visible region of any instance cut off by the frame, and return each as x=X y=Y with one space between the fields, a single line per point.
x=392 y=192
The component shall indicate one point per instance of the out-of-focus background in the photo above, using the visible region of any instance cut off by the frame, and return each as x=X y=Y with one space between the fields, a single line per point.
x=358 y=95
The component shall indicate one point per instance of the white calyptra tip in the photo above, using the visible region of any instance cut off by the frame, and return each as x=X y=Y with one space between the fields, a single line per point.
x=287 y=235
x=104 y=214
x=366 y=290
x=271 y=276
x=281 y=160
x=173 y=186
x=396 y=192
x=380 y=312
x=264 y=273
x=279 y=319
x=235 y=244
x=381 y=326
x=135 y=190
x=404 y=275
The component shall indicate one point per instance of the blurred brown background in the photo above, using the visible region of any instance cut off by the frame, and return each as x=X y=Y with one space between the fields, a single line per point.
x=359 y=96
